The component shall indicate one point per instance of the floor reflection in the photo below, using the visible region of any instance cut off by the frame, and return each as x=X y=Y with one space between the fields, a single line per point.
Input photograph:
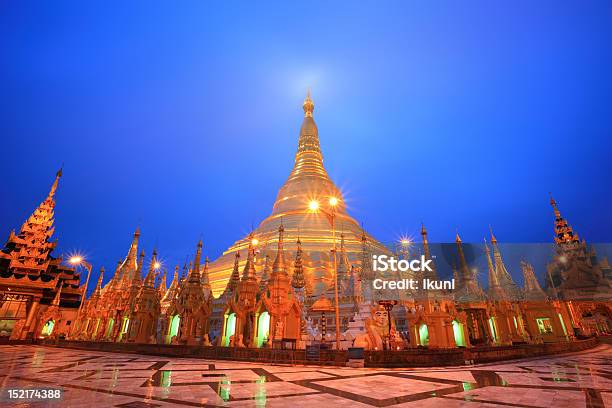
x=91 y=379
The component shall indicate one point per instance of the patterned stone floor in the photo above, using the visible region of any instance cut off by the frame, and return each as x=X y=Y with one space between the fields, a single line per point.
x=94 y=379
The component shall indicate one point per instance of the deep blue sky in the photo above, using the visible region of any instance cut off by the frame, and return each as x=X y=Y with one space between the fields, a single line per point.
x=183 y=118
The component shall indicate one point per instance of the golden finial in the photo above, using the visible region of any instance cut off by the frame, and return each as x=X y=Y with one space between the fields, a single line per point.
x=308 y=105
x=554 y=205
x=55 y=182
x=493 y=239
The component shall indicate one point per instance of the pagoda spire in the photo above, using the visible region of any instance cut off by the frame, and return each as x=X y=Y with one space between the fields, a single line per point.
x=265 y=274
x=425 y=242
x=58 y=175
x=131 y=263
x=463 y=266
x=533 y=290
x=98 y=288
x=493 y=239
x=235 y=277
x=206 y=288
x=308 y=171
x=279 y=263
x=137 y=274
x=553 y=203
x=58 y=295
x=175 y=278
x=30 y=250
x=309 y=134
x=149 y=280
x=468 y=289
x=117 y=276
x=308 y=105
x=195 y=276
x=496 y=292
x=205 y=280
x=433 y=275
x=162 y=288
x=297 y=280
x=249 y=273
x=503 y=276
x=564 y=233
x=185 y=272
x=174 y=285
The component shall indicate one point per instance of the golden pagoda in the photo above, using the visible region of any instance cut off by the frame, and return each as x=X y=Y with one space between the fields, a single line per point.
x=303 y=206
x=33 y=281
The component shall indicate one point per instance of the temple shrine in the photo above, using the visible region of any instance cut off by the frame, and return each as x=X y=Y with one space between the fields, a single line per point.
x=38 y=294
x=302 y=277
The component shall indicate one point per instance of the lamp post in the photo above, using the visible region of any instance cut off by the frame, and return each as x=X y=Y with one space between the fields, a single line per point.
x=79 y=261
x=331 y=215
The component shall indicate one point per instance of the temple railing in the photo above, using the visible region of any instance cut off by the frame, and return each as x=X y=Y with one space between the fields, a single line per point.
x=281 y=356
x=473 y=355
x=388 y=358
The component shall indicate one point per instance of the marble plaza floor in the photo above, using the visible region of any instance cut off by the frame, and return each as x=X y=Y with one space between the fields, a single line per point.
x=95 y=379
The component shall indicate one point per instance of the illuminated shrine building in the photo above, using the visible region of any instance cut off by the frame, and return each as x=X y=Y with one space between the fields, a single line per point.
x=39 y=295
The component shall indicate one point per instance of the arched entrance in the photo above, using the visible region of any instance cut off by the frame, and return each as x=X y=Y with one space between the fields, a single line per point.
x=173 y=328
x=263 y=328
x=109 y=329
x=230 y=328
x=124 y=328
x=423 y=335
x=47 y=328
x=459 y=334
x=493 y=327
x=96 y=330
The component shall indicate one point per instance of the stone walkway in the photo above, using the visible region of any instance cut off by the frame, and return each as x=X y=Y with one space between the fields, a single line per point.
x=94 y=379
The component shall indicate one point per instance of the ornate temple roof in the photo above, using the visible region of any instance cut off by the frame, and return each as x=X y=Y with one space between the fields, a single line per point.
x=26 y=261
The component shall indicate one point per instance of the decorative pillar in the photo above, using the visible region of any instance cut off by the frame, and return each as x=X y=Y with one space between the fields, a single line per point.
x=25 y=333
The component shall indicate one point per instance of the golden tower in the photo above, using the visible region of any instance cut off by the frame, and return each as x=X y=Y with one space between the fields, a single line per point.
x=307 y=182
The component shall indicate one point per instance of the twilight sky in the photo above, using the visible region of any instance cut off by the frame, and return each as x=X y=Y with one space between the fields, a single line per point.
x=183 y=118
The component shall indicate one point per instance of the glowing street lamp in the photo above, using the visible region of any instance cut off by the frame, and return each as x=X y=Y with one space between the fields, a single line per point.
x=75 y=260
x=78 y=260
x=314 y=206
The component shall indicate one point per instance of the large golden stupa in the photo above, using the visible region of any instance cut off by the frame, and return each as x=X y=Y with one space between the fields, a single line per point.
x=307 y=183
